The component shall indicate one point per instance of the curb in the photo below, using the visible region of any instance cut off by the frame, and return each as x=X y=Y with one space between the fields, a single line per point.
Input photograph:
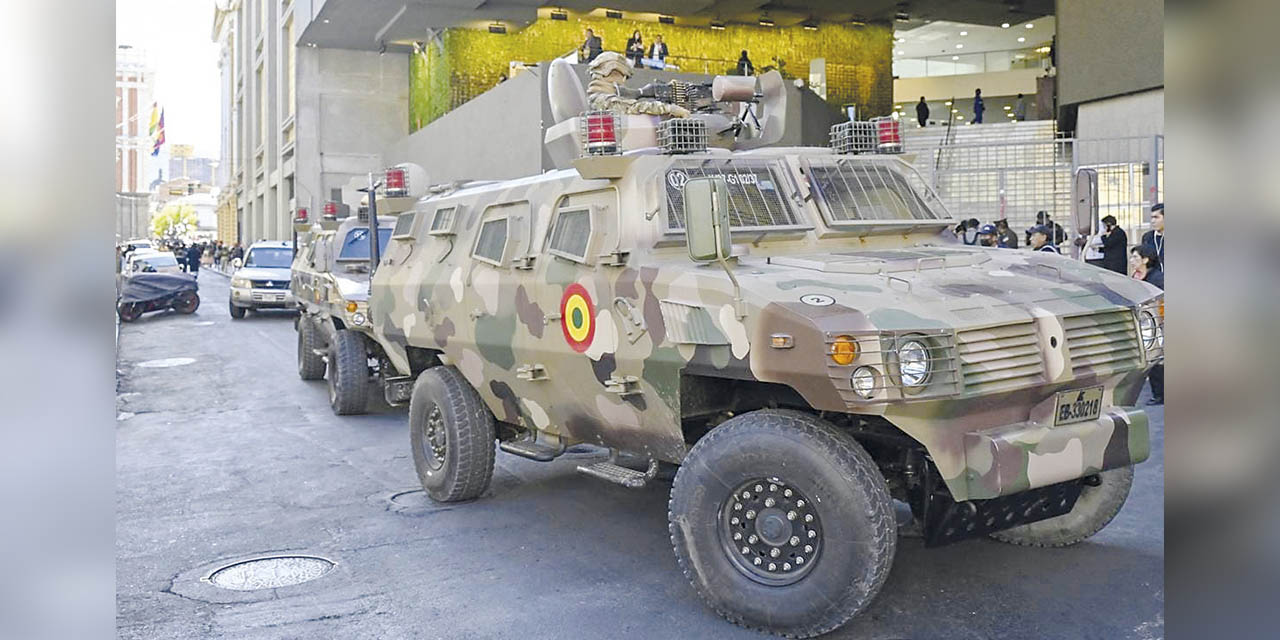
x=212 y=270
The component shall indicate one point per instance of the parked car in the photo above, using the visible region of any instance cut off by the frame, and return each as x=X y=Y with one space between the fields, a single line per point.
x=262 y=280
x=150 y=261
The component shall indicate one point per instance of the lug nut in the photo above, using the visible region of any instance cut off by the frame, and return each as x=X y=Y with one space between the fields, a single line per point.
x=757 y=561
x=808 y=517
x=791 y=515
x=769 y=502
x=751 y=514
x=773 y=487
x=737 y=535
x=787 y=493
x=735 y=520
x=746 y=495
x=813 y=534
x=753 y=539
x=737 y=506
x=746 y=550
x=759 y=488
x=799 y=561
x=773 y=553
x=800 y=503
x=808 y=548
x=786 y=566
x=795 y=540
x=773 y=567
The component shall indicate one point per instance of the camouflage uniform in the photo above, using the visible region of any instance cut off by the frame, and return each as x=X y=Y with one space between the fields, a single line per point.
x=608 y=72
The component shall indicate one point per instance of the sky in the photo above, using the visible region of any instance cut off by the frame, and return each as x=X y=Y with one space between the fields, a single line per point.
x=176 y=34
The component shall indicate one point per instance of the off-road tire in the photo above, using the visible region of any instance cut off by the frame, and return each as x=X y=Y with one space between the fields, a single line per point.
x=1095 y=508
x=348 y=373
x=848 y=494
x=187 y=303
x=128 y=311
x=310 y=363
x=468 y=426
x=237 y=313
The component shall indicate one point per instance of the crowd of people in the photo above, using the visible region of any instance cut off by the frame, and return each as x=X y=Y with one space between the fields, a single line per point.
x=214 y=253
x=639 y=54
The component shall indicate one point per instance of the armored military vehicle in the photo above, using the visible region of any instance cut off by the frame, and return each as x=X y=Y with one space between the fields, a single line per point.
x=795 y=329
x=330 y=282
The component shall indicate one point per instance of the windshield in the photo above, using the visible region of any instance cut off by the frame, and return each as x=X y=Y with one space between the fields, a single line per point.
x=160 y=261
x=853 y=191
x=356 y=245
x=269 y=258
x=755 y=192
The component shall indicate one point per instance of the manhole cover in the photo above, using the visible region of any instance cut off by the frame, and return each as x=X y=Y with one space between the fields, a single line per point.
x=270 y=573
x=166 y=362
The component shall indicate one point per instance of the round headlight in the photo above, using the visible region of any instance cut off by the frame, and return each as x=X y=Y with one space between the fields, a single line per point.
x=358 y=318
x=864 y=381
x=844 y=350
x=913 y=363
x=1149 y=329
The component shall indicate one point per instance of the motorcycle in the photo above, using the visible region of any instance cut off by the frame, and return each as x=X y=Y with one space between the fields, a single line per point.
x=146 y=292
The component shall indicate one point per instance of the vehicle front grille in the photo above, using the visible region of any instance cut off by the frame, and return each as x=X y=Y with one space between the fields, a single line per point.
x=999 y=358
x=1102 y=343
x=270 y=284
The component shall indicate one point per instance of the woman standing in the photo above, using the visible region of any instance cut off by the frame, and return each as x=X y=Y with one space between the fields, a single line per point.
x=635 y=48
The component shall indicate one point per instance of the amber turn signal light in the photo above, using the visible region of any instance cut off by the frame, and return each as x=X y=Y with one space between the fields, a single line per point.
x=844 y=350
x=351 y=307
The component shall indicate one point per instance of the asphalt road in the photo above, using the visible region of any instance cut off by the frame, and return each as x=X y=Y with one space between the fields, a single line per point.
x=230 y=456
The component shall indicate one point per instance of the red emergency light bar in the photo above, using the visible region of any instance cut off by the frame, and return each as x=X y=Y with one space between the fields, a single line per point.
x=601 y=133
x=331 y=209
x=396 y=182
x=300 y=215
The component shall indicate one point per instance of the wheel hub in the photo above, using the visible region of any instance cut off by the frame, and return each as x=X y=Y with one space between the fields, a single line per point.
x=434 y=444
x=770 y=531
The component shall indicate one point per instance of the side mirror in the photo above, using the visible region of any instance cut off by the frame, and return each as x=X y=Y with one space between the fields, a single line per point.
x=706 y=218
x=1084 y=202
x=236 y=263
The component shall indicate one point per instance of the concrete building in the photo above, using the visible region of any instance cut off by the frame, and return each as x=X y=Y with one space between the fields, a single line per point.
x=134 y=91
x=349 y=104
x=198 y=169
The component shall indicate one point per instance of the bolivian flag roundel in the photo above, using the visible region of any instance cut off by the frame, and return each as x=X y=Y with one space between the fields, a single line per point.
x=577 y=317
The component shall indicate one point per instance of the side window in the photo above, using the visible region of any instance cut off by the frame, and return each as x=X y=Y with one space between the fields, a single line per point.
x=404 y=226
x=571 y=234
x=442 y=223
x=491 y=241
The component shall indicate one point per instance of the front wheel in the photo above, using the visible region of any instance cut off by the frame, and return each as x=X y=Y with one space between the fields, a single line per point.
x=310 y=362
x=782 y=523
x=1099 y=502
x=348 y=373
x=452 y=435
x=129 y=311
x=236 y=312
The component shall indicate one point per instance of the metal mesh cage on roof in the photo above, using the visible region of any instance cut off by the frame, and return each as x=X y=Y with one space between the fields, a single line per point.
x=877 y=135
x=599 y=131
x=682 y=135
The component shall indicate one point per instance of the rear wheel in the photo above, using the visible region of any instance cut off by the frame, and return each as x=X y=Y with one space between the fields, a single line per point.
x=236 y=312
x=187 y=302
x=1098 y=503
x=452 y=435
x=348 y=373
x=129 y=311
x=310 y=362
x=782 y=523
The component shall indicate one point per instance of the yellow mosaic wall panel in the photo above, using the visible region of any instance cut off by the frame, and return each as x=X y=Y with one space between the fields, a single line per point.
x=463 y=63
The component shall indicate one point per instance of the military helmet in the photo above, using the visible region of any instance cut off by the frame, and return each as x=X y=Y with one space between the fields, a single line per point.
x=608 y=62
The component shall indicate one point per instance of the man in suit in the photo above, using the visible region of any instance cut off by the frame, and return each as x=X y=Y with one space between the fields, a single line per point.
x=591 y=47
x=1155 y=237
x=658 y=49
x=1115 y=246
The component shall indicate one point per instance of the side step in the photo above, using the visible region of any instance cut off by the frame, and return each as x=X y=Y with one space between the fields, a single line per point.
x=398 y=390
x=629 y=478
x=532 y=449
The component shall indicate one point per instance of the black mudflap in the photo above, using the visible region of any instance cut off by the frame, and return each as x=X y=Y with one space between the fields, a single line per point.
x=946 y=521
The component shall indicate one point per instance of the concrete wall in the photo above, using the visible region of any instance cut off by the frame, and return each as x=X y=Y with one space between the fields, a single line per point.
x=1140 y=114
x=1107 y=48
x=351 y=106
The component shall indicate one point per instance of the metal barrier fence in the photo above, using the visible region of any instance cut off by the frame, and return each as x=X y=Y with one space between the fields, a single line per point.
x=1015 y=180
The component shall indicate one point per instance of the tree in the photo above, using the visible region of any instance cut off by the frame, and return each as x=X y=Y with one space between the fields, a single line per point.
x=175 y=222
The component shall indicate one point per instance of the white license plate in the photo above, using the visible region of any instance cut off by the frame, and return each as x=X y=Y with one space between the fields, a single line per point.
x=1077 y=405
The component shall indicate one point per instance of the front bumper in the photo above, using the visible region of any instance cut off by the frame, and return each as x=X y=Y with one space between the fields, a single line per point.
x=262 y=298
x=1013 y=458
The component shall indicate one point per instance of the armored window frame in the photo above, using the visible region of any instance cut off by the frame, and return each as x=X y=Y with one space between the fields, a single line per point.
x=442 y=225
x=587 y=212
x=403 y=229
x=782 y=213
x=864 y=182
x=500 y=261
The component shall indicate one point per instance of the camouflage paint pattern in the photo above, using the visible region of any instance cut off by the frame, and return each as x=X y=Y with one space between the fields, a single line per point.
x=1006 y=329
